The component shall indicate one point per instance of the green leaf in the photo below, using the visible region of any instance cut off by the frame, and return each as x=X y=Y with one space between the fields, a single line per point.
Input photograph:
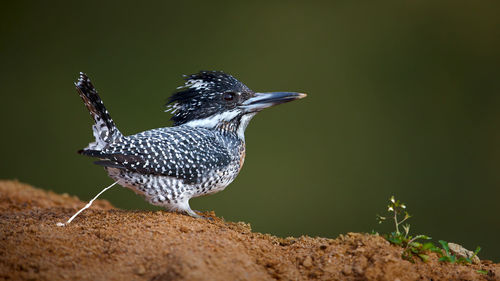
x=437 y=250
x=415 y=245
x=423 y=237
x=463 y=260
x=414 y=250
x=477 y=250
x=424 y=258
x=429 y=246
x=445 y=246
x=482 y=271
x=394 y=240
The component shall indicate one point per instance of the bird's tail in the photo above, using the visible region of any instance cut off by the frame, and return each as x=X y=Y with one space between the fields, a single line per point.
x=104 y=129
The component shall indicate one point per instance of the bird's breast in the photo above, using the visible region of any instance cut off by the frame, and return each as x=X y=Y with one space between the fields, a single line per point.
x=242 y=155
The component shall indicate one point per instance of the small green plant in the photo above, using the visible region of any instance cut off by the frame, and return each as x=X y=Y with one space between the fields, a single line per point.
x=449 y=257
x=410 y=244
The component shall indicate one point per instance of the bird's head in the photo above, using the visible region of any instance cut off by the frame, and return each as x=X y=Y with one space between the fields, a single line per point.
x=213 y=99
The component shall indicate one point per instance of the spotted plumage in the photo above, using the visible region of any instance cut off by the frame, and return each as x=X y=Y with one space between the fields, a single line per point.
x=201 y=154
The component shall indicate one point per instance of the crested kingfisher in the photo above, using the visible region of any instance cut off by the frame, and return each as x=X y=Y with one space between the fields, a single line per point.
x=200 y=154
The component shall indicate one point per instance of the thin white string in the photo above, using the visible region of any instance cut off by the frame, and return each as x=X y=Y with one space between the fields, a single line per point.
x=86 y=206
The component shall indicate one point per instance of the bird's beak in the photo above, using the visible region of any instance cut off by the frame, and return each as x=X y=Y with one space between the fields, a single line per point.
x=264 y=100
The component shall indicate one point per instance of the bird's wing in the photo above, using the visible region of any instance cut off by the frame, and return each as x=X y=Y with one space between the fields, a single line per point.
x=185 y=154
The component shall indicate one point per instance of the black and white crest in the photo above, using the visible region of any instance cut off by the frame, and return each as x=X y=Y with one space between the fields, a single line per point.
x=202 y=95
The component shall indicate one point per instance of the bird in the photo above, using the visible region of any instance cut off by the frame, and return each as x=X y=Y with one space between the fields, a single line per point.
x=200 y=154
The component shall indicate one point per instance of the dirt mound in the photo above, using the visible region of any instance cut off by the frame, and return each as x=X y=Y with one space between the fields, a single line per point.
x=105 y=243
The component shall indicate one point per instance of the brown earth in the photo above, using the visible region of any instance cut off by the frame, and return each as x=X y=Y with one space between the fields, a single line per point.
x=105 y=243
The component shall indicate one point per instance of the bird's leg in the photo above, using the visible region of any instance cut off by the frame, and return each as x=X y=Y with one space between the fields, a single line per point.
x=187 y=210
x=193 y=214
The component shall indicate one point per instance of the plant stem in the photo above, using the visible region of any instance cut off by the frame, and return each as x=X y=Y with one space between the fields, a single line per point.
x=396 y=221
x=403 y=220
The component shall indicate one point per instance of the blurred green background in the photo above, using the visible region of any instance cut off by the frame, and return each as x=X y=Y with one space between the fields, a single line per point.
x=404 y=99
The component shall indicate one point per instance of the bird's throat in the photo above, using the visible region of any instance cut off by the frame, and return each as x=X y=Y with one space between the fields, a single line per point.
x=227 y=122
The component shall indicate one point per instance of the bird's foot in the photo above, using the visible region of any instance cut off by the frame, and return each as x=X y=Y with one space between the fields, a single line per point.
x=195 y=214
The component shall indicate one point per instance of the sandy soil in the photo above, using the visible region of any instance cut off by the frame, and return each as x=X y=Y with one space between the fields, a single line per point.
x=105 y=243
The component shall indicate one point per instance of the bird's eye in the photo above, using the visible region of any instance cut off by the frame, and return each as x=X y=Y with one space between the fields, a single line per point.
x=229 y=96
